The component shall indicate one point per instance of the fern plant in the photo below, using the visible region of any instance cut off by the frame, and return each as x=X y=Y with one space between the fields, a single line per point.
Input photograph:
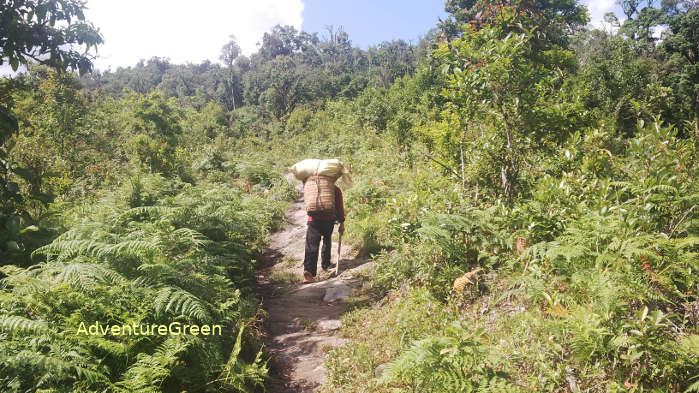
x=448 y=364
x=186 y=257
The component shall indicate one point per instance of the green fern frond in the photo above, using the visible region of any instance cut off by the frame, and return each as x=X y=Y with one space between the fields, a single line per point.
x=14 y=323
x=196 y=238
x=150 y=211
x=149 y=371
x=133 y=248
x=158 y=274
x=93 y=231
x=24 y=283
x=43 y=364
x=178 y=301
x=690 y=242
x=621 y=184
x=237 y=374
x=112 y=347
x=662 y=188
x=69 y=248
x=86 y=275
x=446 y=364
x=566 y=251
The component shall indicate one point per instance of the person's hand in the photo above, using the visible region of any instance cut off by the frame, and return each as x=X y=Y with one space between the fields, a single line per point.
x=342 y=227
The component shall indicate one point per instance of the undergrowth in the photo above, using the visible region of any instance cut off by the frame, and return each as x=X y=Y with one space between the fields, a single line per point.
x=152 y=252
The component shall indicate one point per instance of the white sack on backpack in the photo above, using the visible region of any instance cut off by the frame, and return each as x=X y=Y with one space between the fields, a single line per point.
x=331 y=168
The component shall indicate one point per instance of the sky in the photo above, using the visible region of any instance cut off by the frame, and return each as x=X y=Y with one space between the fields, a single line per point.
x=183 y=30
x=195 y=30
x=369 y=22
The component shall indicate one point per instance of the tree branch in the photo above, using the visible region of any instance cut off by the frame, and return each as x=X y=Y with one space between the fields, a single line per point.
x=444 y=166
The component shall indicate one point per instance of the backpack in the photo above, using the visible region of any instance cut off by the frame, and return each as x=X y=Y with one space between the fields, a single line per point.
x=319 y=195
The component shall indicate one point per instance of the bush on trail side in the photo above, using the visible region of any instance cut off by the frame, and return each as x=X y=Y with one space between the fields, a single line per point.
x=123 y=264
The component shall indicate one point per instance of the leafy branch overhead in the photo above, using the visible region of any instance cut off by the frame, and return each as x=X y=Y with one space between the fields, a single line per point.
x=51 y=32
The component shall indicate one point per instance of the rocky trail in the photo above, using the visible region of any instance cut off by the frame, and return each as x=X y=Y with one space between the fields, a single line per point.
x=302 y=319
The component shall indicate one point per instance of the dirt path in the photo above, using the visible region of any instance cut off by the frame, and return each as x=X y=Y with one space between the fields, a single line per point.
x=302 y=318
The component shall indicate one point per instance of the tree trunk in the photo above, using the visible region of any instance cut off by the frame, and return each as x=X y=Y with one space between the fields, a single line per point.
x=506 y=176
x=507 y=183
x=463 y=179
x=508 y=171
x=233 y=94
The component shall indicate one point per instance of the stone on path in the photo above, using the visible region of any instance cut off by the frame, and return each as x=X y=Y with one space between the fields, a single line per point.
x=330 y=324
x=337 y=292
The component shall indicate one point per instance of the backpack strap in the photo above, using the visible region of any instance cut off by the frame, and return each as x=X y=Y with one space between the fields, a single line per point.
x=317 y=184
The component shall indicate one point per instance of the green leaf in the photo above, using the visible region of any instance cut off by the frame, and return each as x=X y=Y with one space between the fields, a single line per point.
x=693 y=387
x=644 y=313
x=12 y=245
x=8 y=124
x=12 y=187
x=31 y=228
x=633 y=356
x=24 y=174
x=12 y=225
x=45 y=198
x=14 y=63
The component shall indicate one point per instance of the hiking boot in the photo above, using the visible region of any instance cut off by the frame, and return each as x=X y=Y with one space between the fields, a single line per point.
x=307 y=276
x=330 y=266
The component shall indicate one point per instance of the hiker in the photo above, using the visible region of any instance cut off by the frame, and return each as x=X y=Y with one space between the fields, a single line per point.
x=321 y=225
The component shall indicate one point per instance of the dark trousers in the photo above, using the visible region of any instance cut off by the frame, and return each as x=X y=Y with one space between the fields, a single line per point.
x=316 y=230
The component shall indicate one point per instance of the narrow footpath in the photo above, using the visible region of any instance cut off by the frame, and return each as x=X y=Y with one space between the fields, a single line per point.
x=302 y=319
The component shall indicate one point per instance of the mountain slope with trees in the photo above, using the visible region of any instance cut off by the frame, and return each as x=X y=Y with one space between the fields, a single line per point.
x=525 y=186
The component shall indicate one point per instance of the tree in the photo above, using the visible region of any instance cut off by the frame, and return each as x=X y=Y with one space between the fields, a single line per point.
x=391 y=60
x=286 y=41
x=611 y=71
x=287 y=84
x=54 y=117
x=46 y=31
x=677 y=7
x=147 y=75
x=335 y=49
x=556 y=19
x=629 y=7
x=641 y=28
x=229 y=53
x=155 y=126
x=50 y=32
x=504 y=93
x=611 y=19
x=460 y=12
x=681 y=49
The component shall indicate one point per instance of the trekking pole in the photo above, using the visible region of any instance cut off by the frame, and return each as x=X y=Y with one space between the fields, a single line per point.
x=339 y=248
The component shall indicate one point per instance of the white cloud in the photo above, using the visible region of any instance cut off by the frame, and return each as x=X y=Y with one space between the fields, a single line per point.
x=5 y=69
x=598 y=8
x=183 y=30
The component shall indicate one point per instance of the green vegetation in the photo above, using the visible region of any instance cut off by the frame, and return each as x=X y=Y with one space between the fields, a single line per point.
x=181 y=259
x=51 y=32
x=284 y=277
x=526 y=188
